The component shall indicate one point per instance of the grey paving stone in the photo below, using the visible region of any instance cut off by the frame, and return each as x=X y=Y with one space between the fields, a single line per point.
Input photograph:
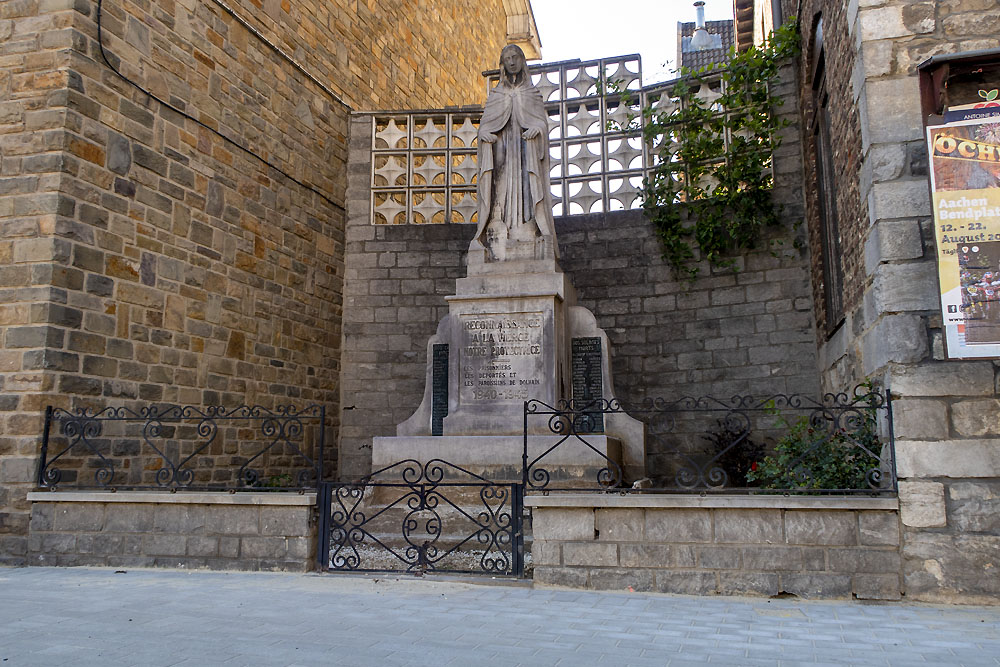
x=51 y=616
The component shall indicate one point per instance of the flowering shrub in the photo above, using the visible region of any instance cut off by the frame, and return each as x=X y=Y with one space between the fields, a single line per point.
x=824 y=451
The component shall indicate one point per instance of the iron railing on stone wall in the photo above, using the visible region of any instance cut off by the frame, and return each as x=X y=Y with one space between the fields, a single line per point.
x=424 y=163
x=787 y=444
x=183 y=447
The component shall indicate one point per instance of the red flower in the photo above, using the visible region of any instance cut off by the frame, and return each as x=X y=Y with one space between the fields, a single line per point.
x=753 y=466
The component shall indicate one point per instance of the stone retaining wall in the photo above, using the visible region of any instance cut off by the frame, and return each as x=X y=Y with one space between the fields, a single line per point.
x=217 y=531
x=811 y=547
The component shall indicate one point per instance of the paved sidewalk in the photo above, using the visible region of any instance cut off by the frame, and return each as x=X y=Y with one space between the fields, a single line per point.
x=55 y=616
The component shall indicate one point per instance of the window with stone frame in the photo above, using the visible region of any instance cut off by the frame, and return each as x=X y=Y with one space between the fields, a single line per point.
x=833 y=280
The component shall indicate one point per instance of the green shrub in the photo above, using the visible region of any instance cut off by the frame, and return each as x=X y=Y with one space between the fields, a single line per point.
x=817 y=453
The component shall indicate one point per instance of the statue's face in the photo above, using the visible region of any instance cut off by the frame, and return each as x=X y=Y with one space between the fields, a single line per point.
x=511 y=62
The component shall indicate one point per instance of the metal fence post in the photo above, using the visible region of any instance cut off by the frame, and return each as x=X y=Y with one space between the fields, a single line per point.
x=45 y=446
x=892 y=439
x=517 y=510
x=323 y=502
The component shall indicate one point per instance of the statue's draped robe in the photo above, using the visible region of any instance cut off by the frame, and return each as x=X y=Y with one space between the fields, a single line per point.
x=517 y=188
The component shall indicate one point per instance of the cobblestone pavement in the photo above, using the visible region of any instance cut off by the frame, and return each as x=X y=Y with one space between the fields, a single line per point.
x=55 y=616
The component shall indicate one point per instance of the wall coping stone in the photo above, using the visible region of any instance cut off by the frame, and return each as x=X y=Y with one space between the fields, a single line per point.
x=167 y=498
x=712 y=502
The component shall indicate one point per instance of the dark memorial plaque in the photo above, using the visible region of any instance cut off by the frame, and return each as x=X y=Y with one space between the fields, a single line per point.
x=587 y=379
x=439 y=388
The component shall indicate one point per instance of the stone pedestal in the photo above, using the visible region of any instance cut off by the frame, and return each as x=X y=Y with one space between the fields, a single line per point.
x=499 y=457
x=508 y=338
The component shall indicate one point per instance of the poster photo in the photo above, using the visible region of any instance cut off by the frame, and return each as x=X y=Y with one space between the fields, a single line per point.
x=965 y=186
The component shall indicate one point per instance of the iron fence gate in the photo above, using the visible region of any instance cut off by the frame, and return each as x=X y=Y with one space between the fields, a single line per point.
x=413 y=517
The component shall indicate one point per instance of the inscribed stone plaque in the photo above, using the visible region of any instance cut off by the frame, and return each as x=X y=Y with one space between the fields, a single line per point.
x=501 y=357
x=439 y=388
x=587 y=379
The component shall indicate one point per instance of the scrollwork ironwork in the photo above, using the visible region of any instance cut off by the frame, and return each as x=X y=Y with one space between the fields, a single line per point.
x=173 y=461
x=840 y=430
x=420 y=517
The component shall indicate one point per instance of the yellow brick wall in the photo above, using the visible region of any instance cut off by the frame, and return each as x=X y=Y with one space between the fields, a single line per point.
x=394 y=54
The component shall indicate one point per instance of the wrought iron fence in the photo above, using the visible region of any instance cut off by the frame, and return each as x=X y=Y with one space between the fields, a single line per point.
x=840 y=444
x=183 y=447
x=422 y=517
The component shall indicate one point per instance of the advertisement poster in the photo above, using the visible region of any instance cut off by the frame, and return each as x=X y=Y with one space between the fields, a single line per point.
x=965 y=185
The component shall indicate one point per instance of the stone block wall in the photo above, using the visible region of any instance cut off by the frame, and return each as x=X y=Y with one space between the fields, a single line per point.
x=749 y=331
x=180 y=240
x=947 y=439
x=809 y=547
x=389 y=55
x=209 y=531
x=165 y=264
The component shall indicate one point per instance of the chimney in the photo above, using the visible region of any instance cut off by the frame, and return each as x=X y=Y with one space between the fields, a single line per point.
x=700 y=40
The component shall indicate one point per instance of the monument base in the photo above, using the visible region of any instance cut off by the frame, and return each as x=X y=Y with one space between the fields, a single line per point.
x=514 y=334
x=499 y=458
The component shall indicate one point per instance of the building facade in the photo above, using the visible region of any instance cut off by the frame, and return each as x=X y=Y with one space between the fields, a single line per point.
x=873 y=246
x=172 y=195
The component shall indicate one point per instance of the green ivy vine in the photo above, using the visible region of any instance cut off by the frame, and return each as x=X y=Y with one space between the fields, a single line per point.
x=716 y=158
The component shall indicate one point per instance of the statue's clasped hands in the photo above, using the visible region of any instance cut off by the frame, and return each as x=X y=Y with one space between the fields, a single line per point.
x=530 y=133
x=487 y=137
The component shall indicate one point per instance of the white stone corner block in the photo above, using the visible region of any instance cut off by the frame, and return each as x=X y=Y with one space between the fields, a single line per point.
x=921 y=504
x=948 y=458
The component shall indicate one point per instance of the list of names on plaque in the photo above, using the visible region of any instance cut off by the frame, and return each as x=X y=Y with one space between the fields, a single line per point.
x=587 y=380
x=439 y=388
x=501 y=357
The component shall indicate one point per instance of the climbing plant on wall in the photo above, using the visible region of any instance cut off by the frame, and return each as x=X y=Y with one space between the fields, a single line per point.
x=715 y=157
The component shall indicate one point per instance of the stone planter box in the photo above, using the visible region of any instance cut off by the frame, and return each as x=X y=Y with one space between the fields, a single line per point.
x=814 y=547
x=213 y=530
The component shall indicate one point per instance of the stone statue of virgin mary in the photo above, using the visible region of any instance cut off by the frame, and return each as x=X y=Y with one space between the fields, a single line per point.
x=515 y=203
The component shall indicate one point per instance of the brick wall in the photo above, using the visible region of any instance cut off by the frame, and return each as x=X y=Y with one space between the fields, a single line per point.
x=146 y=258
x=851 y=214
x=812 y=548
x=726 y=333
x=212 y=531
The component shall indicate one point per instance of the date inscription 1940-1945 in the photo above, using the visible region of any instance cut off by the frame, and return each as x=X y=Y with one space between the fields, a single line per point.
x=501 y=356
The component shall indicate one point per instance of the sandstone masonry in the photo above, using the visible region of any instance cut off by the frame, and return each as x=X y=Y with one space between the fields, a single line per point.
x=179 y=238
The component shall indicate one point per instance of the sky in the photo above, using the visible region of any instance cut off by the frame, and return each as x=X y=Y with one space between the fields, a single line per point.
x=589 y=29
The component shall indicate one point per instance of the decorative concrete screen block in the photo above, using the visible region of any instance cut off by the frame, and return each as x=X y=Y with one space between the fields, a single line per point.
x=425 y=164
